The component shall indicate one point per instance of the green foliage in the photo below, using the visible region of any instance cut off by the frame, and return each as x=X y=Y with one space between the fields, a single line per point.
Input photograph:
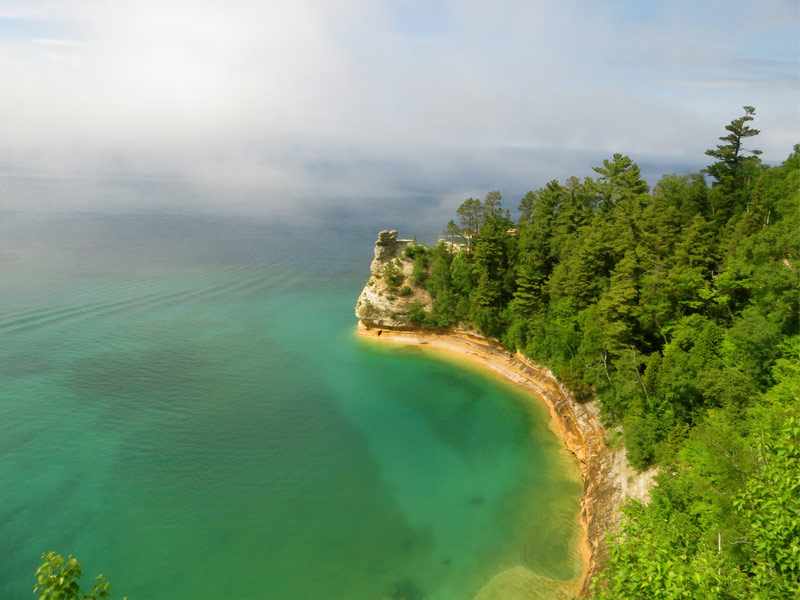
x=404 y=291
x=645 y=432
x=732 y=166
x=751 y=346
x=580 y=390
x=688 y=194
x=770 y=504
x=420 y=274
x=724 y=521
x=469 y=214
x=417 y=314
x=453 y=233
x=57 y=579
x=462 y=275
x=680 y=311
x=619 y=178
x=369 y=309
x=657 y=562
x=415 y=250
x=393 y=274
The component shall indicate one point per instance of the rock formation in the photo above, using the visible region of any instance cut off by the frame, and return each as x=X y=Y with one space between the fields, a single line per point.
x=385 y=303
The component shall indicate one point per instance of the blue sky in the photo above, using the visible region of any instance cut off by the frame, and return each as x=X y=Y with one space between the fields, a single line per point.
x=277 y=103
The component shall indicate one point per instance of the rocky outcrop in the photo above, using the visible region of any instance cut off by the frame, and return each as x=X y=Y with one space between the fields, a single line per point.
x=386 y=301
x=608 y=478
x=387 y=247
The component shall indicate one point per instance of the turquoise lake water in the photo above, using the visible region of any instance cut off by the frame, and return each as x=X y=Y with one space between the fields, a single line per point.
x=185 y=407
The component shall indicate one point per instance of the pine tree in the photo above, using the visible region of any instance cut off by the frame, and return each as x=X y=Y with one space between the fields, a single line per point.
x=730 y=161
x=470 y=215
x=619 y=178
x=619 y=306
x=734 y=171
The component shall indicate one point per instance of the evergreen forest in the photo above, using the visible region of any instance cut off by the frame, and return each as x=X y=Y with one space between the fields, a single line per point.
x=678 y=308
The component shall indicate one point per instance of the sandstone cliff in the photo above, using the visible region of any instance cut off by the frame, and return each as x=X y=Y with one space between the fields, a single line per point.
x=390 y=293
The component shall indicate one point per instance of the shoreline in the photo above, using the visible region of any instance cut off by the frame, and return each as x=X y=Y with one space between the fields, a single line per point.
x=608 y=480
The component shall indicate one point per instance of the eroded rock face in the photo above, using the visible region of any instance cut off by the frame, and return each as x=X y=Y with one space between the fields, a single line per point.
x=383 y=303
x=387 y=247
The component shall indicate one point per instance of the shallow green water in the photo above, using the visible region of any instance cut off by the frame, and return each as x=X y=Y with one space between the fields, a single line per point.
x=186 y=408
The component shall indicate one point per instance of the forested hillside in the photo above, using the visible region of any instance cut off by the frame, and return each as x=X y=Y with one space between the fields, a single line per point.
x=678 y=308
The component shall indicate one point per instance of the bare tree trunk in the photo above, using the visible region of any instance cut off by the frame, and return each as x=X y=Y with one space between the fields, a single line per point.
x=605 y=364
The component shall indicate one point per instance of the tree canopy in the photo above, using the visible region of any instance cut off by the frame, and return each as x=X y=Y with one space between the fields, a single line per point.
x=678 y=308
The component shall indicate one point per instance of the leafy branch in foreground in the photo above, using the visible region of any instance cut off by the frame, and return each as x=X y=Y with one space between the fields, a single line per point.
x=693 y=542
x=56 y=579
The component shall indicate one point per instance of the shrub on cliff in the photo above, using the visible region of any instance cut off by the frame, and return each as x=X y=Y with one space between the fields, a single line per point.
x=417 y=315
x=580 y=390
x=369 y=309
x=420 y=273
x=415 y=251
x=393 y=274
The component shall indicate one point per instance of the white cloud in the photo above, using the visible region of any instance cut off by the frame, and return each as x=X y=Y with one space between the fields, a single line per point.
x=353 y=97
